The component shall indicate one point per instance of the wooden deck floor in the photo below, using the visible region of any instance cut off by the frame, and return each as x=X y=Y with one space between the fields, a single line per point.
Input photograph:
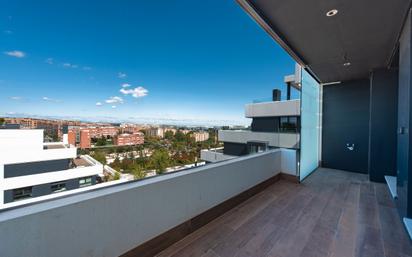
x=333 y=213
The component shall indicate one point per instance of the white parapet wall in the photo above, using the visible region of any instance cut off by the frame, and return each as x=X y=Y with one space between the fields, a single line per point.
x=273 y=109
x=26 y=145
x=111 y=221
x=215 y=155
x=285 y=140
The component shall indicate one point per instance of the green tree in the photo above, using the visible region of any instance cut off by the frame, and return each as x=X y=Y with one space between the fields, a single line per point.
x=2 y=121
x=169 y=135
x=180 y=136
x=101 y=141
x=160 y=160
x=99 y=156
x=138 y=172
x=116 y=164
x=116 y=176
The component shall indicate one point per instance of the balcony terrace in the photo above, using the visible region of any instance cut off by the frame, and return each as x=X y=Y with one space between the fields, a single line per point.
x=332 y=213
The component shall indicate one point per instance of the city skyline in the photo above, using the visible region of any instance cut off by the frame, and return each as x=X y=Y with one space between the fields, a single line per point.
x=135 y=61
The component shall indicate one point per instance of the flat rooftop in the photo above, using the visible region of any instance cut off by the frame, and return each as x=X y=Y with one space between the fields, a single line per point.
x=57 y=146
x=332 y=213
x=81 y=162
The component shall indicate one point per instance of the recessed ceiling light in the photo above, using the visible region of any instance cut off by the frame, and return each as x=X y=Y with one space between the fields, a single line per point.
x=332 y=12
x=347 y=64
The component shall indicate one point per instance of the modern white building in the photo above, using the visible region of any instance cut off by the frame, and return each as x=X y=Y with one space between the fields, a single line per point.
x=31 y=170
x=275 y=124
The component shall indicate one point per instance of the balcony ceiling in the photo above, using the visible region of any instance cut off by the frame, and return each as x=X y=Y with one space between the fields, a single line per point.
x=363 y=33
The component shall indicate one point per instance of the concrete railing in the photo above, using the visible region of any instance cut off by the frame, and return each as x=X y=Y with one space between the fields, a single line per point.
x=285 y=140
x=211 y=155
x=112 y=220
x=272 y=109
x=41 y=155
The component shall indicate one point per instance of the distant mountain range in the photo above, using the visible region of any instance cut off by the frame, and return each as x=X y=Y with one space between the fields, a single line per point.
x=137 y=120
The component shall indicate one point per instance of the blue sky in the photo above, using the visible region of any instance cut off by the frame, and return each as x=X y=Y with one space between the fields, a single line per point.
x=183 y=59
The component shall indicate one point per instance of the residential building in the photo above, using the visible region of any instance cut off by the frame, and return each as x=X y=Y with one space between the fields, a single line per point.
x=350 y=194
x=131 y=128
x=159 y=131
x=200 y=136
x=31 y=170
x=136 y=138
x=103 y=131
x=275 y=124
x=85 y=138
x=72 y=137
x=50 y=127
x=81 y=135
x=155 y=132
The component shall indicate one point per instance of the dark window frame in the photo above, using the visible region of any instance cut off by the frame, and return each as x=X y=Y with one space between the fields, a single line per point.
x=58 y=186
x=26 y=193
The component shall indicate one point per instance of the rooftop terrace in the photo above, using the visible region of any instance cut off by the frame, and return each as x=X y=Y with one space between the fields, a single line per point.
x=332 y=213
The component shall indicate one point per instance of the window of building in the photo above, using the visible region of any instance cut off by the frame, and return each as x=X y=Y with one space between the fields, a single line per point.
x=289 y=124
x=22 y=193
x=84 y=182
x=58 y=187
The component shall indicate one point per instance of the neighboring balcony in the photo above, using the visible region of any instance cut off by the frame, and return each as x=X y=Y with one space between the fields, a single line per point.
x=282 y=140
x=273 y=109
x=215 y=155
x=83 y=166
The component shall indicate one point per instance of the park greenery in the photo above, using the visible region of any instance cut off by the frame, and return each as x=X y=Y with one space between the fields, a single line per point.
x=174 y=149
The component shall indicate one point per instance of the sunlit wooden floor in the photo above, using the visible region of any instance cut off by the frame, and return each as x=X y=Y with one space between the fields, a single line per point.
x=333 y=213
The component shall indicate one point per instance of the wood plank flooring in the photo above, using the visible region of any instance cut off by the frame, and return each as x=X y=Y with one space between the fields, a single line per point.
x=332 y=213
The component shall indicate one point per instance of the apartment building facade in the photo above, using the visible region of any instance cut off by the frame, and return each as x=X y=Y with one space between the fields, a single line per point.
x=200 y=136
x=82 y=136
x=31 y=170
x=136 y=138
x=275 y=124
x=50 y=127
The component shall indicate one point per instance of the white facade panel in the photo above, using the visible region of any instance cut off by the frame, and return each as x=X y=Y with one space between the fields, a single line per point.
x=19 y=141
x=49 y=177
x=10 y=157
x=273 y=109
x=285 y=140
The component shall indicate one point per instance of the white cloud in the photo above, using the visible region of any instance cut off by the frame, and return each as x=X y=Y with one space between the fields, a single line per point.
x=114 y=106
x=15 y=53
x=122 y=75
x=17 y=98
x=87 y=68
x=69 y=65
x=126 y=85
x=99 y=104
x=114 y=100
x=48 y=99
x=135 y=92
x=49 y=60
x=10 y=113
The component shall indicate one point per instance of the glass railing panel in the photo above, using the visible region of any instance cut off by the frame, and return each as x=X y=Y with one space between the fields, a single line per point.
x=310 y=132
